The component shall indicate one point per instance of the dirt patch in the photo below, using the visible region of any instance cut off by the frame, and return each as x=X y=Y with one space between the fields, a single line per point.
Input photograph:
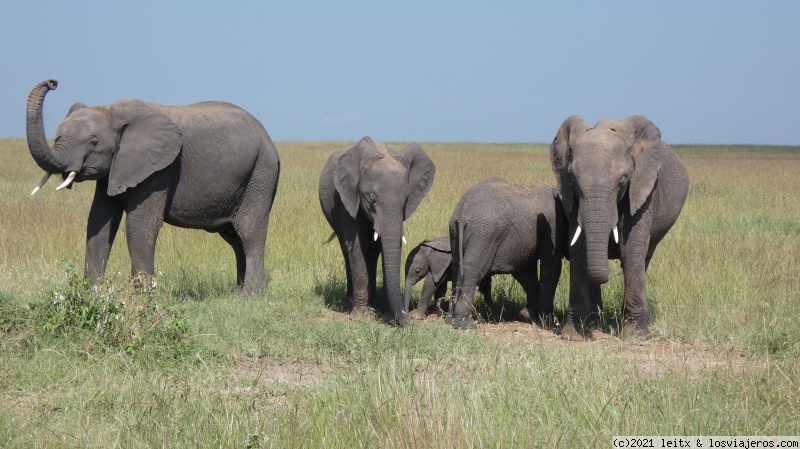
x=272 y=371
x=648 y=356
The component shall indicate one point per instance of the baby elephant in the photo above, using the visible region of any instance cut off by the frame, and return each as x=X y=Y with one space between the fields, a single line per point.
x=430 y=260
x=501 y=228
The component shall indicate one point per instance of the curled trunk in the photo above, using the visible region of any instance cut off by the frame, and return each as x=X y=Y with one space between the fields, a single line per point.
x=34 y=127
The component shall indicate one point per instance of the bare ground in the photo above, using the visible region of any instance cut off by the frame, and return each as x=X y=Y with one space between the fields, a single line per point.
x=649 y=356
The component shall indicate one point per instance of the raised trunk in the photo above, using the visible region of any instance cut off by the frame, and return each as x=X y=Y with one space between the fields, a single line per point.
x=596 y=217
x=34 y=127
x=391 y=241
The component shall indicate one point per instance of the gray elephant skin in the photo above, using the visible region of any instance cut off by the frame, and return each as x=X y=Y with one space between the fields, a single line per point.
x=207 y=166
x=431 y=260
x=501 y=228
x=622 y=189
x=366 y=191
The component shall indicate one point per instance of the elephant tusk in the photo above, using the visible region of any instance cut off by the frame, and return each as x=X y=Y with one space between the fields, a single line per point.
x=616 y=235
x=41 y=183
x=375 y=237
x=577 y=234
x=67 y=181
x=404 y=241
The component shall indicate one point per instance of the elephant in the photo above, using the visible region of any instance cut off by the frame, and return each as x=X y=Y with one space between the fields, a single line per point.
x=501 y=228
x=366 y=191
x=208 y=165
x=622 y=189
x=431 y=260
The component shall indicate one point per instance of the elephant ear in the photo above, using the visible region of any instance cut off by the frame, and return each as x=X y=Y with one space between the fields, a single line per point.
x=561 y=156
x=75 y=107
x=648 y=152
x=421 y=171
x=149 y=141
x=349 y=167
x=439 y=259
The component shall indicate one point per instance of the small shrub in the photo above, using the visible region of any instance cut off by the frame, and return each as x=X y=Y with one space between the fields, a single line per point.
x=128 y=316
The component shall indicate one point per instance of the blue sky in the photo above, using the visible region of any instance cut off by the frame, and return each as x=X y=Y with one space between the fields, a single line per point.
x=703 y=71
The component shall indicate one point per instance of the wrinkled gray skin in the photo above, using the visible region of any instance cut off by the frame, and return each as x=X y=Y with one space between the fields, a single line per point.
x=615 y=173
x=367 y=189
x=431 y=260
x=501 y=228
x=207 y=166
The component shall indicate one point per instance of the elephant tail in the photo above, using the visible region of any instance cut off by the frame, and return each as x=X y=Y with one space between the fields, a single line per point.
x=460 y=246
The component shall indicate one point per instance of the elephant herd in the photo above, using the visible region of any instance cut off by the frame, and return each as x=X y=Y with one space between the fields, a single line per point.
x=212 y=166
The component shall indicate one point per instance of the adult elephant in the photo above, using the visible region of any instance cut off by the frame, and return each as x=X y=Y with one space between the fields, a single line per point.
x=207 y=166
x=622 y=188
x=501 y=228
x=366 y=191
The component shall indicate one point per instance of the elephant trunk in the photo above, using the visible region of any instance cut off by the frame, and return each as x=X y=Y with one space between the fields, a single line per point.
x=391 y=241
x=596 y=216
x=407 y=292
x=34 y=127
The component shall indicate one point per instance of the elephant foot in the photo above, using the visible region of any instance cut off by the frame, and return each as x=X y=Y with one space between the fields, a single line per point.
x=418 y=314
x=401 y=319
x=575 y=332
x=361 y=313
x=524 y=315
x=549 y=322
x=464 y=323
x=635 y=331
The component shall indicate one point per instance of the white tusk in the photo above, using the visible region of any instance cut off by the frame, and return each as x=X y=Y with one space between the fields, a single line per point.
x=375 y=237
x=577 y=234
x=616 y=235
x=404 y=241
x=67 y=181
x=41 y=183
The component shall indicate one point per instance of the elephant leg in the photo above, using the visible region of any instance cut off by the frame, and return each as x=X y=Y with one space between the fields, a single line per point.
x=145 y=215
x=485 y=287
x=635 y=310
x=584 y=297
x=238 y=250
x=358 y=277
x=347 y=270
x=549 y=274
x=428 y=290
x=252 y=243
x=105 y=216
x=250 y=227
x=530 y=285
x=464 y=293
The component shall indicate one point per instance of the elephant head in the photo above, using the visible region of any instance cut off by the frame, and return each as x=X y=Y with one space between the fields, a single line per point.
x=603 y=172
x=431 y=257
x=126 y=142
x=386 y=188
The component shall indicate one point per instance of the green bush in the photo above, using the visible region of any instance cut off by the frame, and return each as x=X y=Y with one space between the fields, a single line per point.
x=129 y=316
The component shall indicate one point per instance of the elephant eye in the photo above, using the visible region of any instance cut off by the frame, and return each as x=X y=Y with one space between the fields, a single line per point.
x=94 y=141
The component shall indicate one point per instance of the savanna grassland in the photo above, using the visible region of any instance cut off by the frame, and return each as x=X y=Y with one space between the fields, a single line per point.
x=191 y=364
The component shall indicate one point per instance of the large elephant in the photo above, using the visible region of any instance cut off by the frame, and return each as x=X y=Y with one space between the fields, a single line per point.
x=501 y=228
x=366 y=192
x=431 y=260
x=622 y=189
x=207 y=166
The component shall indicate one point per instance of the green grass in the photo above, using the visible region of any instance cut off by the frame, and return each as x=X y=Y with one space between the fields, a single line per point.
x=195 y=365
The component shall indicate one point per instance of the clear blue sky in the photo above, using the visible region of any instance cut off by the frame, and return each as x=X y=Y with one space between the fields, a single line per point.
x=494 y=71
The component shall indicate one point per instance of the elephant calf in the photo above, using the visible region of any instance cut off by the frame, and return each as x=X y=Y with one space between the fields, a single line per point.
x=431 y=260
x=501 y=228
